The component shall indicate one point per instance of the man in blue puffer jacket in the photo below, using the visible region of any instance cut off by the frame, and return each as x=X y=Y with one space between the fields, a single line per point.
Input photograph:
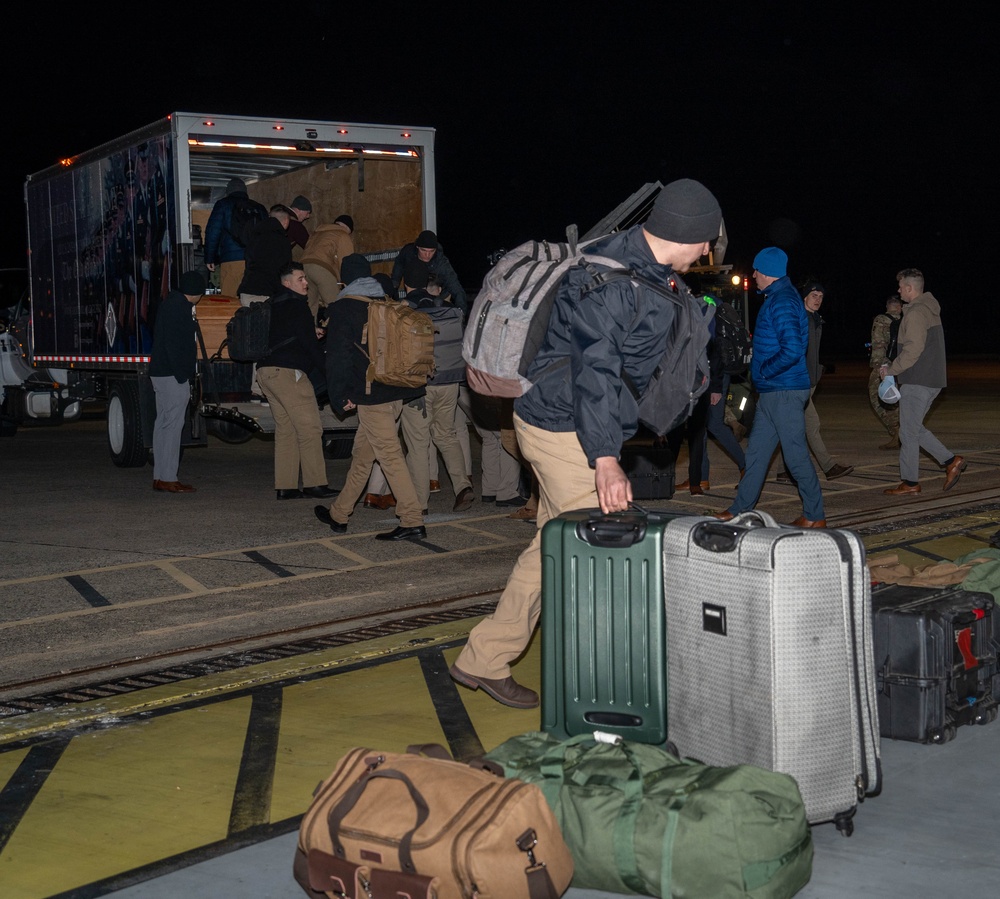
x=781 y=378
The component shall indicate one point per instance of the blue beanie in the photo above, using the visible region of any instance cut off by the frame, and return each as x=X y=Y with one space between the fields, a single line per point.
x=771 y=262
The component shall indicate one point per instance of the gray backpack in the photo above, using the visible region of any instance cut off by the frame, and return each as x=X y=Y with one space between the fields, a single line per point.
x=510 y=314
x=449 y=366
x=510 y=318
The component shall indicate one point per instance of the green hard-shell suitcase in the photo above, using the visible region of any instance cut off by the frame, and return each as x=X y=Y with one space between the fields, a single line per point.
x=604 y=663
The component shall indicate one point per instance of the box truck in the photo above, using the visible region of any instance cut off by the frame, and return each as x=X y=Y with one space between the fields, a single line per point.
x=111 y=230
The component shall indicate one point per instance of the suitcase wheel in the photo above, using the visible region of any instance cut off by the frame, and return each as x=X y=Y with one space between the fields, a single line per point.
x=987 y=714
x=941 y=735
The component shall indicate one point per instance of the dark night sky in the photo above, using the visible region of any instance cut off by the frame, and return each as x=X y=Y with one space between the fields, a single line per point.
x=862 y=142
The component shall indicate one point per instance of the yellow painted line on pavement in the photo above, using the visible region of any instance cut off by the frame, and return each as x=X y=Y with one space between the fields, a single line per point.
x=35 y=724
x=248 y=585
x=194 y=585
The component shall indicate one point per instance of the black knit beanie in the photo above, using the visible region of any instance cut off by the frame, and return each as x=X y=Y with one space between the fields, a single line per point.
x=685 y=211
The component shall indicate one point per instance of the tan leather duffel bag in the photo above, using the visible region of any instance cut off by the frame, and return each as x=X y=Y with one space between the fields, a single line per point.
x=420 y=824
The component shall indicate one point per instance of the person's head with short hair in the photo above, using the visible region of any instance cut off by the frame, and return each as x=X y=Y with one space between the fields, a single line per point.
x=434 y=286
x=911 y=284
x=894 y=305
x=282 y=213
x=236 y=186
x=346 y=221
x=301 y=208
x=293 y=277
x=769 y=264
x=682 y=224
x=812 y=295
x=427 y=245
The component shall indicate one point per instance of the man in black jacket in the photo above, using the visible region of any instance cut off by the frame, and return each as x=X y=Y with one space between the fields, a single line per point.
x=285 y=377
x=268 y=252
x=572 y=423
x=171 y=367
x=427 y=249
x=377 y=437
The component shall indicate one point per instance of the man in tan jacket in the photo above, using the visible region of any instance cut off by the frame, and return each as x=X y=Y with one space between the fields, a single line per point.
x=327 y=246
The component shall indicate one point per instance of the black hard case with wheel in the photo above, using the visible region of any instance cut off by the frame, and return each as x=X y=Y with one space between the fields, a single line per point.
x=935 y=661
x=603 y=640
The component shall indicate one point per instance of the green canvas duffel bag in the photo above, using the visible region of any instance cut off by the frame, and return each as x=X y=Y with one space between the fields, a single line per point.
x=639 y=820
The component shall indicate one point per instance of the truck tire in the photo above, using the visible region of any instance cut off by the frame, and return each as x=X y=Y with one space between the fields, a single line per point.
x=228 y=431
x=125 y=426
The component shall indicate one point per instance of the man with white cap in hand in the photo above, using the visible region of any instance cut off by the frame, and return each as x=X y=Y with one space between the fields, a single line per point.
x=572 y=423
x=921 y=370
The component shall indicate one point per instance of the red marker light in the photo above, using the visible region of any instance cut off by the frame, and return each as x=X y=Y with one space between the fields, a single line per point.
x=278 y=127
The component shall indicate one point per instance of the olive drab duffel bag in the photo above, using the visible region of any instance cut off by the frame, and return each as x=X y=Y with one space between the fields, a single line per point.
x=419 y=824
x=639 y=820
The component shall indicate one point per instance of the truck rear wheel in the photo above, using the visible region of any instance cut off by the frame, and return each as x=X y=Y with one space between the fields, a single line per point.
x=228 y=431
x=125 y=426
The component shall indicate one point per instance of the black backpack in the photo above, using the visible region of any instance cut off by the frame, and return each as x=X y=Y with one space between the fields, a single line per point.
x=732 y=339
x=248 y=333
x=683 y=373
x=246 y=215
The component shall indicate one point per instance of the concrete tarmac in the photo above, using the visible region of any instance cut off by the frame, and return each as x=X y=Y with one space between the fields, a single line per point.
x=179 y=671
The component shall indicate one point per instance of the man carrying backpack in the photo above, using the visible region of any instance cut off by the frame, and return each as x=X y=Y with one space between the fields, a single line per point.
x=226 y=235
x=378 y=406
x=572 y=423
x=430 y=421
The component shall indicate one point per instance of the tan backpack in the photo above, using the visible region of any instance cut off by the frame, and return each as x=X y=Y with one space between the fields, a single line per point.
x=400 y=344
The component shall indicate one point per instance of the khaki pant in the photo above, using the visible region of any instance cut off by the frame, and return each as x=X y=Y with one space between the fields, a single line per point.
x=324 y=287
x=377 y=439
x=813 y=437
x=566 y=482
x=432 y=423
x=230 y=277
x=298 y=434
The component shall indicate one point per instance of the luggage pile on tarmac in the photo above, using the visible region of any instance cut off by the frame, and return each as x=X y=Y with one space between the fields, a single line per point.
x=761 y=651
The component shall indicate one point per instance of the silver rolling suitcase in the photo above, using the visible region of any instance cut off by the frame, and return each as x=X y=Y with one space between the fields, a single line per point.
x=769 y=655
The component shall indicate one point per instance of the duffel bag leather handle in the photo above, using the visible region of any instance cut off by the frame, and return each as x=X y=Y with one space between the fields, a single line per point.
x=350 y=799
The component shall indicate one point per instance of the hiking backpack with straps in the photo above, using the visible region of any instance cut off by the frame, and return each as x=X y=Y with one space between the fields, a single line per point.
x=449 y=366
x=246 y=214
x=248 y=332
x=399 y=343
x=510 y=318
x=732 y=339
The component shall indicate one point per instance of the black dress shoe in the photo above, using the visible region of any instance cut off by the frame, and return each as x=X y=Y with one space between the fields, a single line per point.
x=323 y=514
x=289 y=494
x=513 y=502
x=401 y=533
x=321 y=492
x=488 y=498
